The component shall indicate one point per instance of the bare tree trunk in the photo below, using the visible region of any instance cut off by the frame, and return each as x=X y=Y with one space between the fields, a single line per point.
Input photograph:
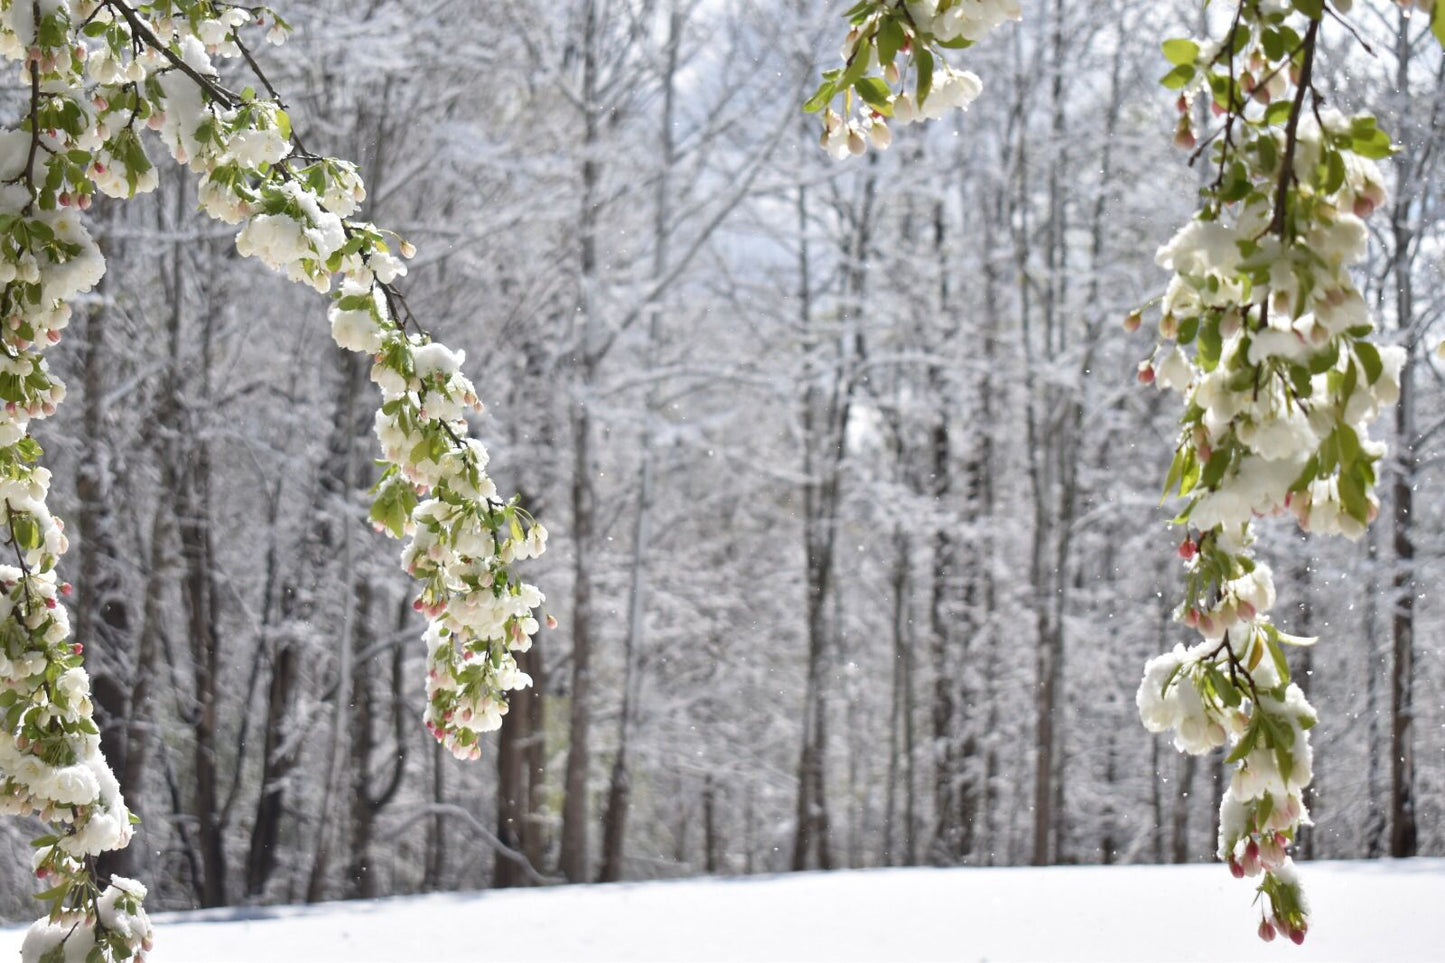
x=1404 y=835
x=1183 y=800
x=576 y=811
x=712 y=842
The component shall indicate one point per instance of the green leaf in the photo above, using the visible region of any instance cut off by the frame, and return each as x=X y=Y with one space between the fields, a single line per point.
x=875 y=93
x=923 y=60
x=1176 y=471
x=1262 y=813
x=890 y=41
x=1277 y=655
x=1353 y=497
x=1215 y=469
x=1180 y=51
x=1369 y=357
x=1437 y=23
x=1247 y=742
x=1278 y=112
x=1210 y=344
x=817 y=102
x=1178 y=78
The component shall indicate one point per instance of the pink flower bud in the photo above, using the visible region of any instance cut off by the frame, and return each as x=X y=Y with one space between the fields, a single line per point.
x=1188 y=549
x=1235 y=870
x=1266 y=931
x=50 y=603
x=1146 y=373
x=77 y=648
x=66 y=588
x=1297 y=935
x=418 y=605
x=1247 y=611
x=1133 y=321
x=53 y=337
x=551 y=622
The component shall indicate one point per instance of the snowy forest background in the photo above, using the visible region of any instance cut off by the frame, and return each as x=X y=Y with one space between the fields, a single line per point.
x=857 y=550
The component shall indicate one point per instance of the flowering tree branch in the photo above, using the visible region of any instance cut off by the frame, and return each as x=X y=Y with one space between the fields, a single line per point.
x=1264 y=334
x=918 y=35
x=100 y=73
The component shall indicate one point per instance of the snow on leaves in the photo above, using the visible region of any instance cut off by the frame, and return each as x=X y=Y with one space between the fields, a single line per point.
x=105 y=78
x=895 y=67
x=1264 y=334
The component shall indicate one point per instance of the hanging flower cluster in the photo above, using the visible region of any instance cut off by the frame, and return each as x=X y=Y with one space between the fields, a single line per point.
x=1264 y=334
x=105 y=77
x=894 y=46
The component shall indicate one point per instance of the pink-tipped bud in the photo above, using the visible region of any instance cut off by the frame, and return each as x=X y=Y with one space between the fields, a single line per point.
x=1188 y=549
x=84 y=202
x=1266 y=931
x=77 y=648
x=1235 y=870
x=66 y=588
x=1133 y=321
x=1247 y=611
x=1184 y=136
x=1297 y=935
x=551 y=622
x=50 y=603
x=418 y=605
x=1146 y=373
x=53 y=337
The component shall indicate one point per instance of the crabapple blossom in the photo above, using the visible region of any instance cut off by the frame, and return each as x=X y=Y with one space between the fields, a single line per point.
x=110 y=84
x=916 y=34
x=1266 y=338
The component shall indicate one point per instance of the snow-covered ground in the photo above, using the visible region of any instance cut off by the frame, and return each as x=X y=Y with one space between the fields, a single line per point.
x=1363 y=911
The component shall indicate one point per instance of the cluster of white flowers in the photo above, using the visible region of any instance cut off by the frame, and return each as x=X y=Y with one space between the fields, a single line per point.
x=882 y=32
x=1265 y=336
x=71 y=936
x=105 y=77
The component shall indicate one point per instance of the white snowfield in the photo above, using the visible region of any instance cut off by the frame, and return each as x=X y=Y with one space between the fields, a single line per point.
x=1364 y=911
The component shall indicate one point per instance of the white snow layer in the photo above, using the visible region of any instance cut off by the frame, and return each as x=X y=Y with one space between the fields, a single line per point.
x=1362 y=911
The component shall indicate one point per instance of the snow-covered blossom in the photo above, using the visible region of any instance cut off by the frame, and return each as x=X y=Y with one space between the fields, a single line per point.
x=116 y=95
x=917 y=34
x=1264 y=333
